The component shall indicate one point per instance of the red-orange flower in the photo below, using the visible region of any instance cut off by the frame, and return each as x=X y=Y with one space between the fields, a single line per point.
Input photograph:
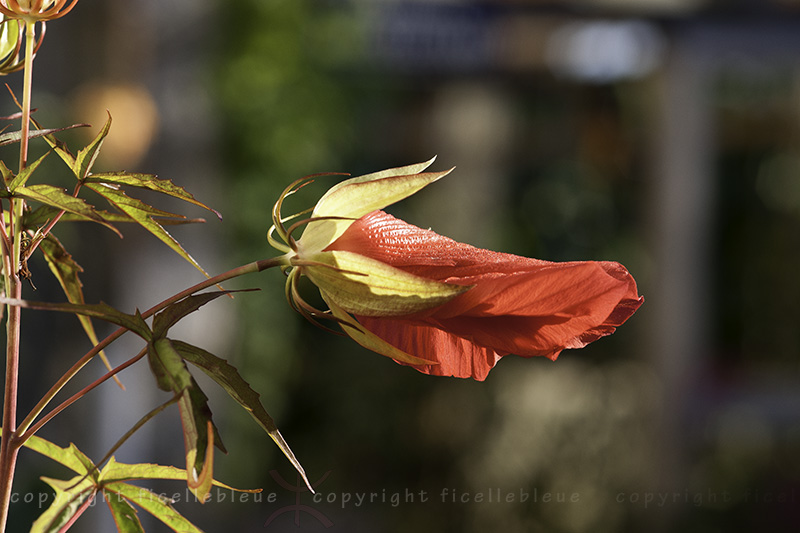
x=516 y=305
x=426 y=301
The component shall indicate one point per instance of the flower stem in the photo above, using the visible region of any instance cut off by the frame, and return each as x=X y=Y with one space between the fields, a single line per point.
x=9 y=445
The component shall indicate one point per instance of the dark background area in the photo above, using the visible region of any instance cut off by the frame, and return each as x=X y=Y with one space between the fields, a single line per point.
x=661 y=134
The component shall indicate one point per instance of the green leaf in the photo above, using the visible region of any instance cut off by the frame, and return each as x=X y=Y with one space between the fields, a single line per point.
x=70 y=457
x=155 y=505
x=143 y=214
x=228 y=377
x=44 y=214
x=173 y=313
x=56 y=197
x=87 y=155
x=8 y=176
x=58 y=146
x=15 y=136
x=125 y=517
x=66 y=271
x=199 y=433
x=103 y=311
x=22 y=177
x=69 y=497
x=114 y=471
x=70 y=494
x=148 y=181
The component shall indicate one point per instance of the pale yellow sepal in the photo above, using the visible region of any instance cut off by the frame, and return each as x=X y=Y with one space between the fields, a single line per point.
x=369 y=340
x=364 y=286
x=354 y=198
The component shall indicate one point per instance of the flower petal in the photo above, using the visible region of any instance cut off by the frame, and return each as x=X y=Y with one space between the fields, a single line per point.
x=364 y=286
x=517 y=305
x=369 y=340
x=456 y=356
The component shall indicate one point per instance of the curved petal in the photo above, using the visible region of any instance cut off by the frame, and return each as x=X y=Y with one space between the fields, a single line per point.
x=518 y=305
x=455 y=356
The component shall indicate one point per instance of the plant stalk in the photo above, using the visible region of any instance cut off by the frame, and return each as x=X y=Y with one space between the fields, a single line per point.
x=9 y=446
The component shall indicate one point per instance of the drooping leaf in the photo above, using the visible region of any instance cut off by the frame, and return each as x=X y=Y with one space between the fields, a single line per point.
x=143 y=214
x=228 y=377
x=125 y=516
x=154 y=504
x=56 y=197
x=66 y=271
x=69 y=497
x=198 y=430
x=148 y=181
x=103 y=311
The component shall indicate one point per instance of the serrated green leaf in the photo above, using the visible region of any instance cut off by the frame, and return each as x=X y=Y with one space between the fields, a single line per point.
x=8 y=176
x=44 y=214
x=167 y=366
x=148 y=181
x=228 y=377
x=114 y=471
x=21 y=178
x=125 y=516
x=103 y=311
x=155 y=505
x=173 y=313
x=143 y=214
x=58 y=146
x=14 y=136
x=66 y=271
x=70 y=457
x=88 y=155
x=198 y=430
x=56 y=197
x=69 y=497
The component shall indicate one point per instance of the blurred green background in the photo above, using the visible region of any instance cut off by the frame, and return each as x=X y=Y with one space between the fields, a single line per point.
x=663 y=134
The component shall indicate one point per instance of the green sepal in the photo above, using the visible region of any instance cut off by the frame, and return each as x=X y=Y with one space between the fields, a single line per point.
x=369 y=340
x=365 y=286
x=351 y=199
